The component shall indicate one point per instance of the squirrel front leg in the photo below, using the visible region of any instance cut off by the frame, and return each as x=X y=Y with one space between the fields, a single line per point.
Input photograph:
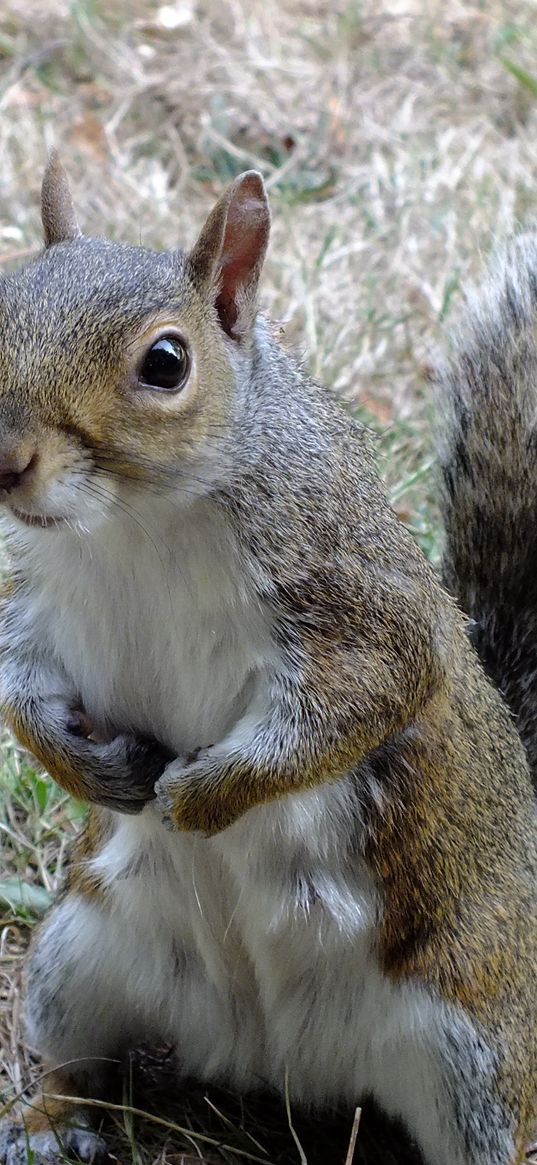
x=39 y=705
x=311 y=723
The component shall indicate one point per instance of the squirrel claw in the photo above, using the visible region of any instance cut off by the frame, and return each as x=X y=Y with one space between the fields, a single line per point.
x=188 y=795
x=79 y=723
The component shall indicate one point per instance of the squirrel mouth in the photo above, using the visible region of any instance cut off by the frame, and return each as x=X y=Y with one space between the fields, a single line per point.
x=42 y=521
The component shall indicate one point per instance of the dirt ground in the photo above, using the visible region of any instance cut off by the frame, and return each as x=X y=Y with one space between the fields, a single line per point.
x=397 y=138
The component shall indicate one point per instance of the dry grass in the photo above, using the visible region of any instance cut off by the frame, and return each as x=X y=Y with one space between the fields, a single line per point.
x=396 y=142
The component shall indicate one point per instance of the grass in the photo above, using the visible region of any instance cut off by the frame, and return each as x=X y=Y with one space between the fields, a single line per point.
x=397 y=140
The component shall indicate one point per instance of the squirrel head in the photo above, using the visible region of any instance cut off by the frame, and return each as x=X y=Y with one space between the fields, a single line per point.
x=119 y=365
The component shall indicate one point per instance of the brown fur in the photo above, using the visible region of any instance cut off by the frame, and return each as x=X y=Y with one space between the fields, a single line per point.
x=480 y=895
x=48 y=1110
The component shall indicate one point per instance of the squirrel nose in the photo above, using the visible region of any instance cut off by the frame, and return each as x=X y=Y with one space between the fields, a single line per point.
x=14 y=464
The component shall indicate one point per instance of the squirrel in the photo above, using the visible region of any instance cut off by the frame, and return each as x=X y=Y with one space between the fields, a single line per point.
x=310 y=861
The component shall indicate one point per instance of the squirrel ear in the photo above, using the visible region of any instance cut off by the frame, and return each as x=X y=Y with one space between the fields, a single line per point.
x=57 y=207
x=228 y=256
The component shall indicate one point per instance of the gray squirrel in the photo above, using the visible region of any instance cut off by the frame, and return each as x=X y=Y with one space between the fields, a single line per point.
x=311 y=853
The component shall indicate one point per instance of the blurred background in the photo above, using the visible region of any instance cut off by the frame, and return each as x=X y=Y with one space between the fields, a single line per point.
x=398 y=141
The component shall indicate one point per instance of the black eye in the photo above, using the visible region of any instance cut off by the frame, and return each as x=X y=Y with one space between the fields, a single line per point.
x=166 y=365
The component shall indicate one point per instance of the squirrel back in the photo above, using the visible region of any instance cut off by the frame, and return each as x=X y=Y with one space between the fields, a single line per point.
x=488 y=458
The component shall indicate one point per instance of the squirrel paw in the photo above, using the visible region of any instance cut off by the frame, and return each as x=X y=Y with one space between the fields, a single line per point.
x=121 y=773
x=116 y=771
x=193 y=796
x=50 y=1148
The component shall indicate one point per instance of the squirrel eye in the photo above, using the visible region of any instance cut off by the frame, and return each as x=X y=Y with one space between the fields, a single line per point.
x=165 y=366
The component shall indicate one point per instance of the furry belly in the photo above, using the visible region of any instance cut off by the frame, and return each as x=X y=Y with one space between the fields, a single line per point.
x=258 y=971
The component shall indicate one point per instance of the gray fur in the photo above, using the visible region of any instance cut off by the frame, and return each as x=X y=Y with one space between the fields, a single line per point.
x=487 y=397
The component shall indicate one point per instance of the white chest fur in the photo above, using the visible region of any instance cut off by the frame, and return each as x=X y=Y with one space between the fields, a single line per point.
x=154 y=623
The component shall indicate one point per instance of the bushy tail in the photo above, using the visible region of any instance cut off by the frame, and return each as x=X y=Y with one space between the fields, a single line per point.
x=488 y=457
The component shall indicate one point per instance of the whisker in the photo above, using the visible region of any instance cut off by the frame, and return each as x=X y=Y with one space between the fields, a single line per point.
x=164 y=478
x=104 y=495
x=158 y=489
x=90 y=487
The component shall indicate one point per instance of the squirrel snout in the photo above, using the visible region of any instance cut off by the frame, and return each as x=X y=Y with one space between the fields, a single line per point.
x=15 y=463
